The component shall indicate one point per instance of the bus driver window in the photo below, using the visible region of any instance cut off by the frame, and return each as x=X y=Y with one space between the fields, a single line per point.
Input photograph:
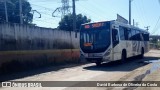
x=115 y=38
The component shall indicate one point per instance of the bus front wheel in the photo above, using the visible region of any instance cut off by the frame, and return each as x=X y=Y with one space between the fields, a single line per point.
x=123 y=57
x=98 y=63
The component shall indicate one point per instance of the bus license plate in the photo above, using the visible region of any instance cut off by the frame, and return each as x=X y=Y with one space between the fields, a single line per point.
x=90 y=55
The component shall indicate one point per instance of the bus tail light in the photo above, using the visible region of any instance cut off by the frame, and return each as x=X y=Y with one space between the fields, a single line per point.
x=87 y=44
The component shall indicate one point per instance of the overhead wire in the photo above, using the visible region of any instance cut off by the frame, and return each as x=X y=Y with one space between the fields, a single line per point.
x=94 y=14
x=43 y=7
x=45 y=15
x=84 y=11
x=144 y=11
x=45 y=21
x=139 y=13
x=156 y=26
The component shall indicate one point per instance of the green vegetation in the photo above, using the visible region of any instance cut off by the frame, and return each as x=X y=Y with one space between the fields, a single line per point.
x=155 y=43
x=13 y=11
x=67 y=22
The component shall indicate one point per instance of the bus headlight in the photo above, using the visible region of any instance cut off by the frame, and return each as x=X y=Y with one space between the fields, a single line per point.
x=108 y=52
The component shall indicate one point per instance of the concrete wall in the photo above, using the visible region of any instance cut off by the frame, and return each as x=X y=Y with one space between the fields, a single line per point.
x=25 y=37
x=23 y=45
x=15 y=61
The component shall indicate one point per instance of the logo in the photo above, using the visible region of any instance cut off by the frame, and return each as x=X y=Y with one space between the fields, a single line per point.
x=6 y=84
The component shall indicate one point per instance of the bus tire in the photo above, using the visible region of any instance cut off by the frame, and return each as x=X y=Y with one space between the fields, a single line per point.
x=142 y=54
x=98 y=63
x=123 y=57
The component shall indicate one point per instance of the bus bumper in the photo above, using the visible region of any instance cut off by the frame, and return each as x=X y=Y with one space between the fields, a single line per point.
x=98 y=59
x=94 y=60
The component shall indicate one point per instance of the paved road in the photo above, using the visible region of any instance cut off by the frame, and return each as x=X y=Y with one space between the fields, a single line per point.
x=130 y=71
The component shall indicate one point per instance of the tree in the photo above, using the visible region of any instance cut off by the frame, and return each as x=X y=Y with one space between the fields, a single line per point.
x=67 y=22
x=13 y=11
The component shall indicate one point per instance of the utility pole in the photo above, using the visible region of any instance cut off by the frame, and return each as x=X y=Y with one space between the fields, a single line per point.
x=20 y=11
x=147 y=28
x=130 y=1
x=137 y=24
x=133 y=23
x=6 y=13
x=74 y=18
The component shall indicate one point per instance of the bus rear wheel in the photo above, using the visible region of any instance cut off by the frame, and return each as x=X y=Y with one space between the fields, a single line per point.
x=142 y=54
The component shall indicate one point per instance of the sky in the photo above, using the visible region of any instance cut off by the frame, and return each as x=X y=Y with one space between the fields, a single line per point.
x=144 y=12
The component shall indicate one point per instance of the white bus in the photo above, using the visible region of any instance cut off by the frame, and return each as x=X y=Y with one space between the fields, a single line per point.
x=112 y=40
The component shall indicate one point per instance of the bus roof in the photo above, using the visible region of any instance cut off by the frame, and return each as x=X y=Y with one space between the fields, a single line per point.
x=119 y=23
x=97 y=22
x=129 y=26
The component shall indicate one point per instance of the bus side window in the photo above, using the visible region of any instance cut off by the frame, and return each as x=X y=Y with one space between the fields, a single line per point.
x=126 y=33
x=141 y=36
x=146 y=36
x=129 y=34
x=121 y=33
x=133 y=34
x=138 y=35
x=115 y=38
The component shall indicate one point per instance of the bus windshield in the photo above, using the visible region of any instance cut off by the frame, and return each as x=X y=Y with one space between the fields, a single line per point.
x=95 y=40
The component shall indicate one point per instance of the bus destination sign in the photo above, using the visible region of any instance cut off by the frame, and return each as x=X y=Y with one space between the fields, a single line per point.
x=94 y=25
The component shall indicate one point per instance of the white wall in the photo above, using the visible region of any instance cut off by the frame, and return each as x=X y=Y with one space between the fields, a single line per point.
x=25 y=37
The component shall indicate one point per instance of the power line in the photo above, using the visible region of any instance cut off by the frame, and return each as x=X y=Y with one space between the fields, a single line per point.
x=44 y=21
x=147 y=27
x=96 y=7
x=43 y=7
x=88 y=11
x=64 y=9
x=144 y=11
x=45 y=13
x=95 y=14
x=156 y=25
x=158 y=28
x=139 y=13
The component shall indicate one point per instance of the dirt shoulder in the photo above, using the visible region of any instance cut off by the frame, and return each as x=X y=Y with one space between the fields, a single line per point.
x=154 y=70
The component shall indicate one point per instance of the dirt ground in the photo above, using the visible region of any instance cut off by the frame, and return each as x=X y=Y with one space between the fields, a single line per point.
x=133 y=70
